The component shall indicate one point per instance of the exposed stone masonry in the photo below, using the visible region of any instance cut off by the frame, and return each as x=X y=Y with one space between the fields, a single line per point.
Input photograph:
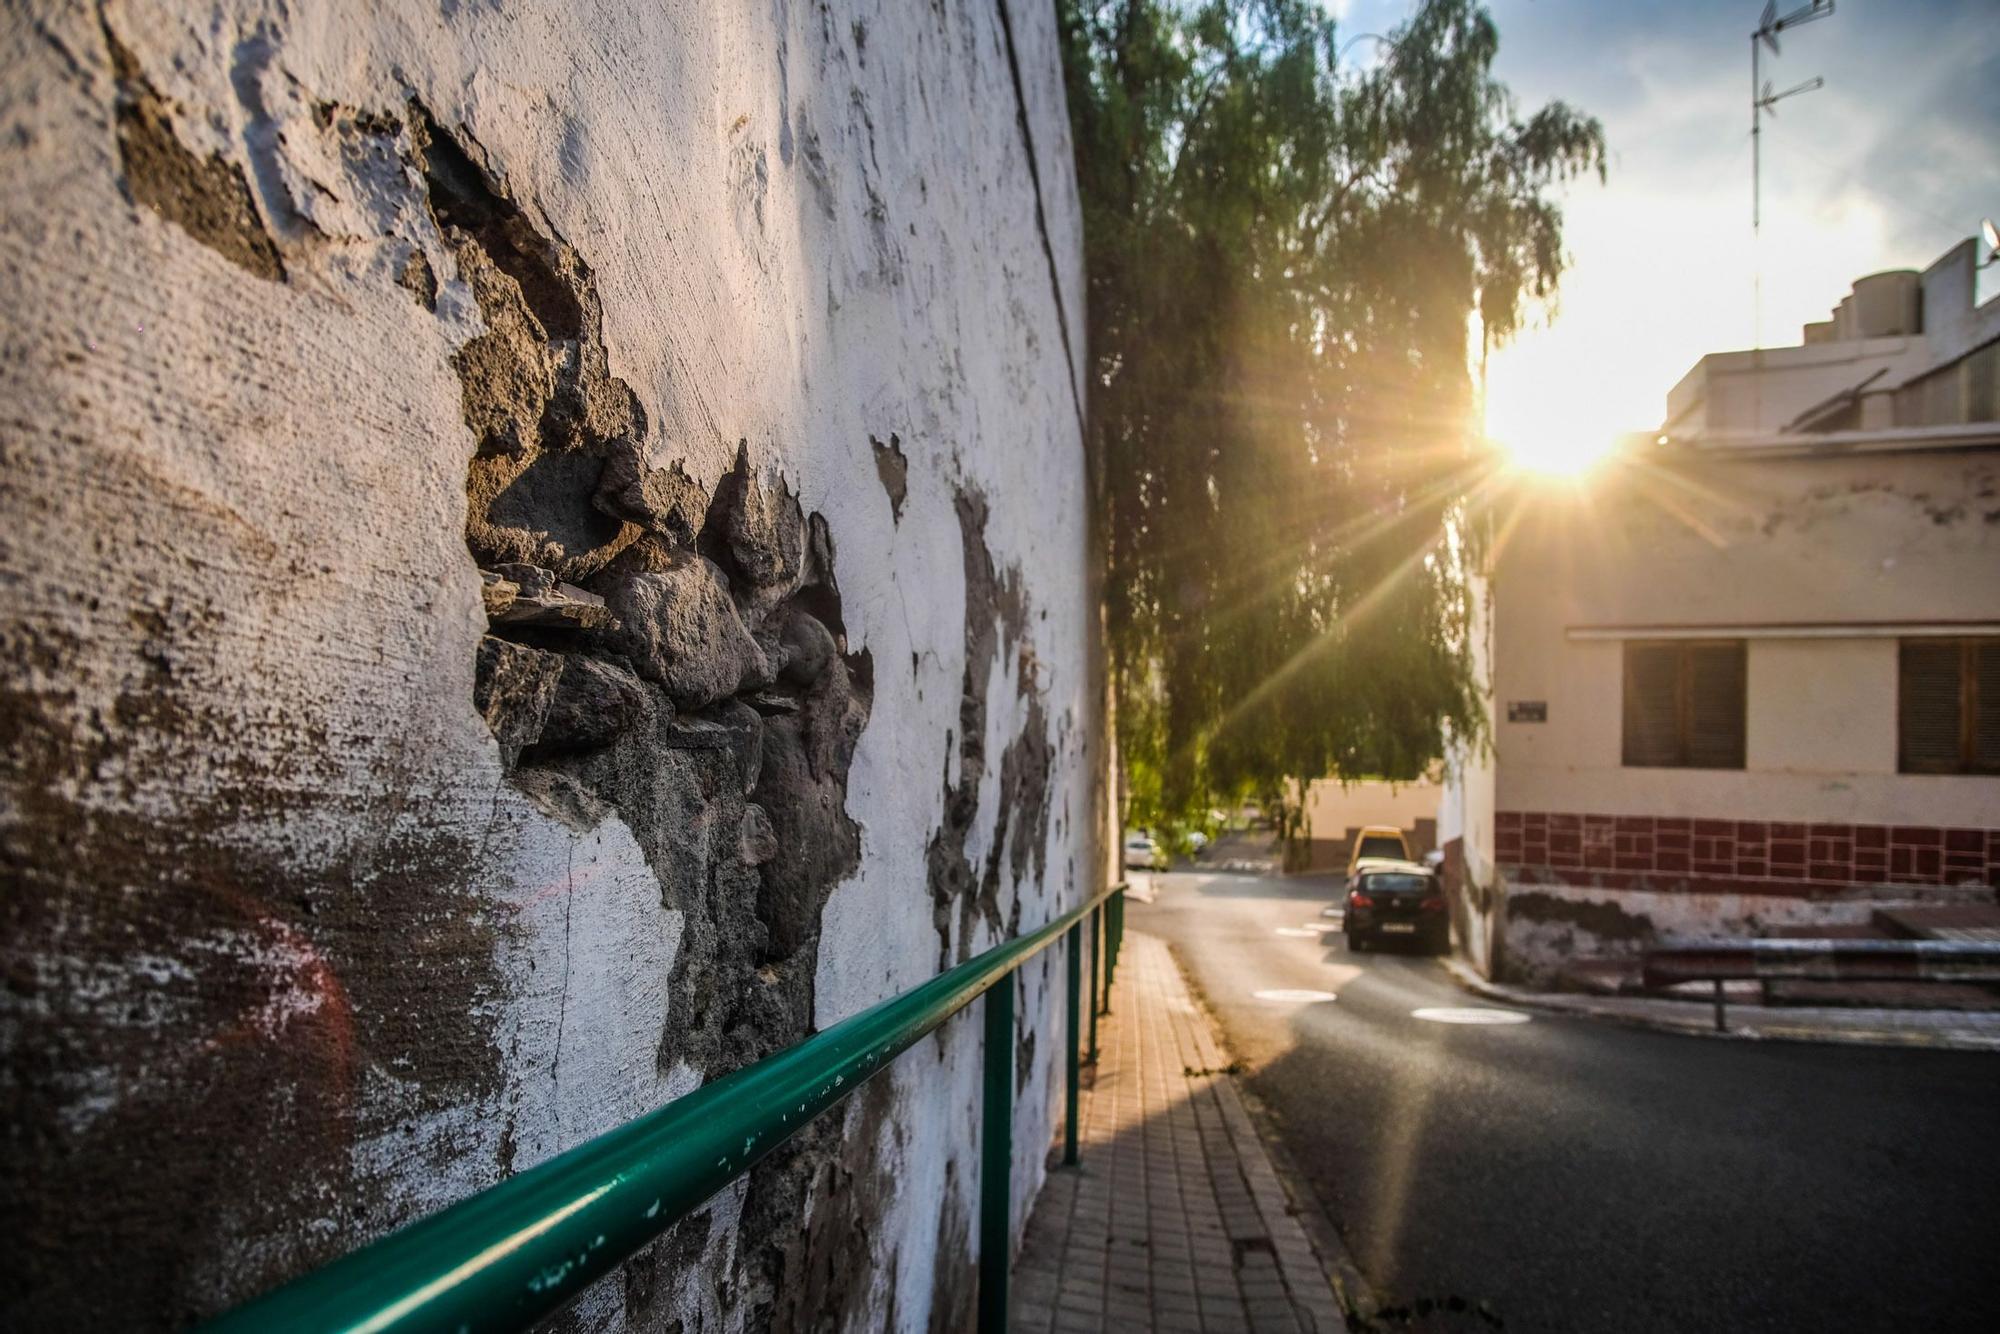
x=672 y=656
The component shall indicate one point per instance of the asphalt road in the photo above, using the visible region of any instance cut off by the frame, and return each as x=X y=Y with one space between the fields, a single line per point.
x=1573 y=1175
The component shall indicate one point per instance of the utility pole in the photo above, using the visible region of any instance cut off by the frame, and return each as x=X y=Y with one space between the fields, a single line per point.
x=1762 y=99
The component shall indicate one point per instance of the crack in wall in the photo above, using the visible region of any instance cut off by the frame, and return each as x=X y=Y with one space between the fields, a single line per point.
x=1041 y=212
x=562 y=1003
x=170 y=940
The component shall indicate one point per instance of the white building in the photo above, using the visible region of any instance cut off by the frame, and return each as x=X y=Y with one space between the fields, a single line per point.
x=1750 y=674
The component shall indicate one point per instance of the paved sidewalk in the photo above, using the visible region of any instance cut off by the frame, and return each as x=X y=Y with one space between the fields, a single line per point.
x=1958 y=1030
x=1176 y=1219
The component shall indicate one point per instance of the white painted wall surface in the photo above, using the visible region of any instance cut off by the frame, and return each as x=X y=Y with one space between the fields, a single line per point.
x=809 y=226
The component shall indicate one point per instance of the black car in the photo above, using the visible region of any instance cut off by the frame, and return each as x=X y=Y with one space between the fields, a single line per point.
x=1395 y=900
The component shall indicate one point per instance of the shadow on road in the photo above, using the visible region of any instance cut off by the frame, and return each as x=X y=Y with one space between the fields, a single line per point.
x=1562 y=1174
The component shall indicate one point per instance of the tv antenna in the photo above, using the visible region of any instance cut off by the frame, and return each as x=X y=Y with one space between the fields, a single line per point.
x=1763 y=100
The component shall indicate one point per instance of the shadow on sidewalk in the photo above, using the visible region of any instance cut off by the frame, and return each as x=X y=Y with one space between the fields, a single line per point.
x=1175 y=1218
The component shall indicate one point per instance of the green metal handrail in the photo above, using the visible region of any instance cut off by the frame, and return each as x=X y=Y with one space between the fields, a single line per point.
x=509 y=1255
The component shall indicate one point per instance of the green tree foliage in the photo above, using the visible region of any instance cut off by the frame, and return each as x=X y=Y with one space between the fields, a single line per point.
x=1293 y=265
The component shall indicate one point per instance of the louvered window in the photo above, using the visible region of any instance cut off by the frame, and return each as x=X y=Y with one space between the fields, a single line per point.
x=1684 y=705
x=1948 y=707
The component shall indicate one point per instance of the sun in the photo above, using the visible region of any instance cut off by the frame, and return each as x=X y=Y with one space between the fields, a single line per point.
x=1554 y=427
x=1556 y=452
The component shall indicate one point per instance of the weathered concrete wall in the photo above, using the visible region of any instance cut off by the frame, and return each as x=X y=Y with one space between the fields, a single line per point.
x=1545 y=926
x=737 y=349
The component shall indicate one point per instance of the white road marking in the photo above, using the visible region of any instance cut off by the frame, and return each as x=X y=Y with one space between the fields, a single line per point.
x=1468 y=1014
x=1320 y=928
x=1294 y=996
x=1298 y=932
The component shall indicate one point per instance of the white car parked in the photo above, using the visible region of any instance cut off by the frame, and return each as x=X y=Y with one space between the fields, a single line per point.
x=1142 y=853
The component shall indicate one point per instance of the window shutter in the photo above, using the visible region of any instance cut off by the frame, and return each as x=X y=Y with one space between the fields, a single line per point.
x=1986 y=705
x=1715 y=705
x=1928 y=689
x=1652 y=705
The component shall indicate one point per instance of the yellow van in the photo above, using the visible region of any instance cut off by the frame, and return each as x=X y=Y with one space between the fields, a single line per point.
x=1378 y=842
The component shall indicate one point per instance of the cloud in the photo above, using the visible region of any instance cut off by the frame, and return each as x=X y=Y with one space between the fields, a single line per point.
x=1933 y=154
x=1890 y=164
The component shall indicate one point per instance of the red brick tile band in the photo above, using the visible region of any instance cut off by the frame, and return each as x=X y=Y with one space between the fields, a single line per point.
x=1738 y=856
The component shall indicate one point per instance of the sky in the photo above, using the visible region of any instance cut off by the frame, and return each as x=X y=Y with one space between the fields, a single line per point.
x=1894 y=161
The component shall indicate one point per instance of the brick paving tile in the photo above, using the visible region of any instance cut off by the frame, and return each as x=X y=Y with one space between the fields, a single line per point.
x=1176 y=1219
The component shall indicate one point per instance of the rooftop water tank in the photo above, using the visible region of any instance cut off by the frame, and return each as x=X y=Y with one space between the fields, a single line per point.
x=1886 y=305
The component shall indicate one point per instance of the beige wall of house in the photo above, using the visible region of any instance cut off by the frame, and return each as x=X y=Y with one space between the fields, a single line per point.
x=1333 y=808
x=1813 y=561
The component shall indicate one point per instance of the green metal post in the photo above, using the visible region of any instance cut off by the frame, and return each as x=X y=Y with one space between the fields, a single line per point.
x=1117 y=910
x=1096 y=997
x=1075 y=1035
x=996 y=1159
x=1110 y=948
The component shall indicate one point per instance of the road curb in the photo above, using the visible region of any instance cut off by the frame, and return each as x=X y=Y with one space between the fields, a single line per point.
x=1350 y=1286
x=1749 y=1023
x=1357 y=1299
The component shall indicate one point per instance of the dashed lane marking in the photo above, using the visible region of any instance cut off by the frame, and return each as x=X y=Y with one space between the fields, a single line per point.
x=1294 y=996
x=1468 y=1014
